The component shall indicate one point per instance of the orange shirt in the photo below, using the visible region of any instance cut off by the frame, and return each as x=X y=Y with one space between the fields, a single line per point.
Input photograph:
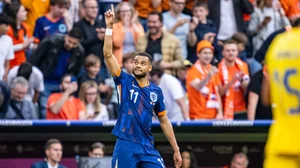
x=69 y=111
x=189 y=4
x=239 y=98
x=20 y=55
x=144 y=7
x=291 y=7
x=165 y=5
x=198 y=100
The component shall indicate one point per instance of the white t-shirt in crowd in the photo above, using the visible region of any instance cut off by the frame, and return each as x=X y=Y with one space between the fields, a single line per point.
x=36 y=81
x=181 y=32
x=6 y=52
x=228 y=25
x=172 y=91
x=102 y=116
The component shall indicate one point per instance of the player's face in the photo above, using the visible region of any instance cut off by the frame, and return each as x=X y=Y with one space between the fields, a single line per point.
x=230 y=52
x=186 y=160
x=141 y=66
x=96 y=153
x=54 y=153
x=71 y=42
x=205 y=56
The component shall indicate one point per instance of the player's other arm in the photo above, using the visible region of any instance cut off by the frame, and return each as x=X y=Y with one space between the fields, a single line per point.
x=110 y=59
x=169 y=133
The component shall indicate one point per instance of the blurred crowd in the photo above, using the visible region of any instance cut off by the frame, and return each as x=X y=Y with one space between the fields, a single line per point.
x=208 y=55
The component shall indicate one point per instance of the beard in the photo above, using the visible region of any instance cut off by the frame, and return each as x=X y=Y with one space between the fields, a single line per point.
x=140 y=76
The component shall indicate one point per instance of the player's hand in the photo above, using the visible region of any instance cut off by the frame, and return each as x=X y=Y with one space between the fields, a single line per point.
x=110 y=16
x=177 y=159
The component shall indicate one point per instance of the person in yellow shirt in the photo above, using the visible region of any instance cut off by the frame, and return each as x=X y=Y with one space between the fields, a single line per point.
x=35 y=9
x=281 y=89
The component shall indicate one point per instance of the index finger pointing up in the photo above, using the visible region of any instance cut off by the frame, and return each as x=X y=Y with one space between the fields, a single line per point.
x=112 y=8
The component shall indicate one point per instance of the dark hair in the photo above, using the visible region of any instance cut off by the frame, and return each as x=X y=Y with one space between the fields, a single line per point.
x=156 y=70
x=144 y=54
x=160 y=16
x=64 y=76
x=201 y=4
x=59 y=2
x=296 y=23
x=12 y=11
x=128 y=56
x=84 y=1
x=240 y=37
x=75 y=33
x=51 y=142
x=193 y=158
x=96 y=145
x=25 y=70
x=5 y=19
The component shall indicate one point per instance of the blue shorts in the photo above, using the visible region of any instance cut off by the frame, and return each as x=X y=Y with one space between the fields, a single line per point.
x=129 y=154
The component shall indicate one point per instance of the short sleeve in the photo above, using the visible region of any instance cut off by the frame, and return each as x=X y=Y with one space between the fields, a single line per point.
x=52 y=99
x=12 y=73
x=175 y=88
x=218 y=79
x=80 y=106
x=255 y=82
x=121 y=77
x=10 y=53
x=191 y=75
x=38 y=30
x=160 y=108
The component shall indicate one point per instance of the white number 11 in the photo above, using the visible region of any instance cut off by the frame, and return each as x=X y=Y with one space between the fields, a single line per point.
x=135 y=93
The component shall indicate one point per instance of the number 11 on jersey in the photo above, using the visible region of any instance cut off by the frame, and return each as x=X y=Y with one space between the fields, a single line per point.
x=133 y=94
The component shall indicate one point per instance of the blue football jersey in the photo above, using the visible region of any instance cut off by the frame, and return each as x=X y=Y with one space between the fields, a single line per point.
x=45 y=27
x=138 y=105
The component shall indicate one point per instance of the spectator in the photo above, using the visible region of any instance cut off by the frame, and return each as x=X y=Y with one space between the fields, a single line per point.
x=3 y=3
x=4 y=98
x=20 y=33
x=177 y=23
x=53 y=22
x=34 y=77
x=53 y=151
x=128 y=60
x=204 y=98
x=202 y=28
x=6 y=49
x=256 y=110
x=93 y=32
x=114 y=104
x=228 y=16
x=20 y=108
x=242 y=41
x=267 y=18
x=233 y=80
x=162 y=45
x=74 y=11
x=89 y=95
x=127 y=31
x=291 y=9
x=173 y=94
x=56 y=56
x=182 y=73
x=36 y=9
x=144 y=8
x=92 y=67
x=239 y=160
x=64 y=106
x=96 y=150
x=188 y=159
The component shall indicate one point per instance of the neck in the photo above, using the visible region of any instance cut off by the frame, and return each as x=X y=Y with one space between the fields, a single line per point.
x=18 y=23
x=143 y=81
x=90 y=20
x=51 y=162
x=204 y=65
x=52 y=15
x=229 y=63
x=174 y=13
x=156 y=36
x=204 y=21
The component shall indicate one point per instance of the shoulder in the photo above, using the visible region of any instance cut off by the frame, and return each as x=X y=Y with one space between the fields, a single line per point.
x=40 y=19
x=170 y=36
x=61 y=166
x=166 y=14
x=55 y=96
x=38 y=164
x=170 y=78
x=185 y=16
x=7 y=38
x=14 y=70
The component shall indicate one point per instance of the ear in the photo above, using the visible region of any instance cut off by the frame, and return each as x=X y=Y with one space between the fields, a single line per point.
x=47 y=152
x=150 y=68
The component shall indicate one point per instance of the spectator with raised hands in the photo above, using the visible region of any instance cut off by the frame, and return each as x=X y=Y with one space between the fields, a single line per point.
x=89 y=95
x=267 y=18
x=127 y=30
x=64 y=106
x=20 y=33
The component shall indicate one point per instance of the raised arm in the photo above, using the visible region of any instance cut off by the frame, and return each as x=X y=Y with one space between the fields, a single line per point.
x=111 y=61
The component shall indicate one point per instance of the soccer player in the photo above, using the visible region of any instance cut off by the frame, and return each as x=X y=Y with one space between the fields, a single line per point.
x=282 y=89
x=139 y=98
